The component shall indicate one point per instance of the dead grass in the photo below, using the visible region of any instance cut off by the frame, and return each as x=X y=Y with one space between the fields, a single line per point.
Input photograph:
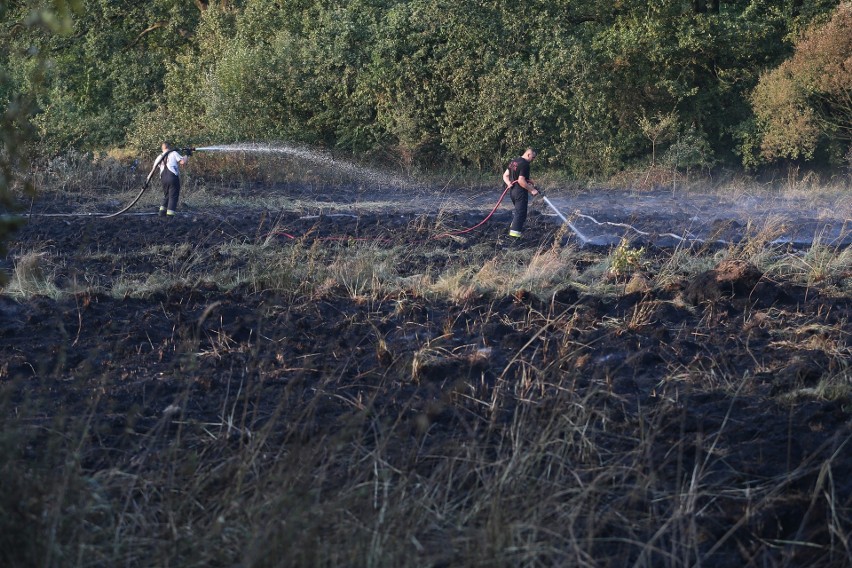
x=370 y=268
x=34 y=274
x=440 y=453
x=574 y=487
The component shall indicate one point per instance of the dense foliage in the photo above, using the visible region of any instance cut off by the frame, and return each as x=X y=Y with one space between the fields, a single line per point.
x=597 y=86
x=16 y=130
x=807 y=100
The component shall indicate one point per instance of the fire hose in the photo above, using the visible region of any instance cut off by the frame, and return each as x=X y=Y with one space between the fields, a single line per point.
x=487 y=217
x=186 y=151
x=190 y=150
x=571 y=226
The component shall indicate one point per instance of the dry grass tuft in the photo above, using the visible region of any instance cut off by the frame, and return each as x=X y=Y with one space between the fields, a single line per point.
x=34 y=275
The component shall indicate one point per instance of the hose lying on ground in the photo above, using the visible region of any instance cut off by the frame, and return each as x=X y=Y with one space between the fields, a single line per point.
x=187 y=151
x=487 y=217
x=141 y=191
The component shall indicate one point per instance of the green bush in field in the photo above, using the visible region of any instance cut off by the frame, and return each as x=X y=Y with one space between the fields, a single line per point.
x=96 y=78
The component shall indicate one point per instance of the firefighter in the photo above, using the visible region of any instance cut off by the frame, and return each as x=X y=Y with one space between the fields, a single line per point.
x=170 y=161
x=517 y=176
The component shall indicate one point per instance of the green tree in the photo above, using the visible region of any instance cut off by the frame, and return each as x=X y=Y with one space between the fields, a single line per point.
x=272 y=70
x=699 y=61
x=16 y=129
x=423 y=81
x=107 y=69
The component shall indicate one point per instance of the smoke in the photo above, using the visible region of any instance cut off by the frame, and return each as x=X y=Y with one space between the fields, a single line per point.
x=665 y=219
x=604 y=217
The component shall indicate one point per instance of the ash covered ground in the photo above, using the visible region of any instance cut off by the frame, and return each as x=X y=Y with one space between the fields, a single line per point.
x=713 y=379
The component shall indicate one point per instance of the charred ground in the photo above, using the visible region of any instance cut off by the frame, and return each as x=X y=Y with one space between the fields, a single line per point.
x=699 y=418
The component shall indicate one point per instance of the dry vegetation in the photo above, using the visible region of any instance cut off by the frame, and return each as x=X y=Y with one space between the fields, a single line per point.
x=215 y=393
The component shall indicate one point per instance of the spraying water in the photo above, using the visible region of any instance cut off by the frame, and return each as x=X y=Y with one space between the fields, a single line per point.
x=313 y=156
x=828 y=226
x=577 y=232
x=709 y=219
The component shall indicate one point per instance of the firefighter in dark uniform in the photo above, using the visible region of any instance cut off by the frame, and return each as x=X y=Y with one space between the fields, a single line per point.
x=517 y=175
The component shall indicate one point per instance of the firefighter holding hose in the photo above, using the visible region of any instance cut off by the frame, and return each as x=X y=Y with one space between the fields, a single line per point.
x=169 y=162
x=517 y=176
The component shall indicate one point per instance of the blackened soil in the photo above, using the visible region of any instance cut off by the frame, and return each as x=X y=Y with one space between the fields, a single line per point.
x=717 y=378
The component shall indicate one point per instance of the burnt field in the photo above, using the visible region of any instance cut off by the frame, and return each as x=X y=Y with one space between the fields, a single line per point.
x=336 y=383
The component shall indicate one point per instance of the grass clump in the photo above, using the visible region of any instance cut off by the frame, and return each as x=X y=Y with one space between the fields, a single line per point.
x=34 y=274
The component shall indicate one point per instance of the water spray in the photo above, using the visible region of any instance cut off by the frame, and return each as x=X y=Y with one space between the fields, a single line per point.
x=571 y=226
x=187 y=151
x=314 y=156
x=324 y=159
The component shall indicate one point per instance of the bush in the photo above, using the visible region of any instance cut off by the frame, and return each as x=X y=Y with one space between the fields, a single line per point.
x=805 y=100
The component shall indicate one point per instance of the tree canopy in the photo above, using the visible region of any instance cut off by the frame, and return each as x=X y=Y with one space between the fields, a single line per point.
x=465 y=82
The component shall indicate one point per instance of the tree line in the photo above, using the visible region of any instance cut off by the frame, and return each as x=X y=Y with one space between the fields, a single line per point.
x=596 y=86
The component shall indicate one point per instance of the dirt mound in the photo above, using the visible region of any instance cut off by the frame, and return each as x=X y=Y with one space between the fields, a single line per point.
x=729 y=279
